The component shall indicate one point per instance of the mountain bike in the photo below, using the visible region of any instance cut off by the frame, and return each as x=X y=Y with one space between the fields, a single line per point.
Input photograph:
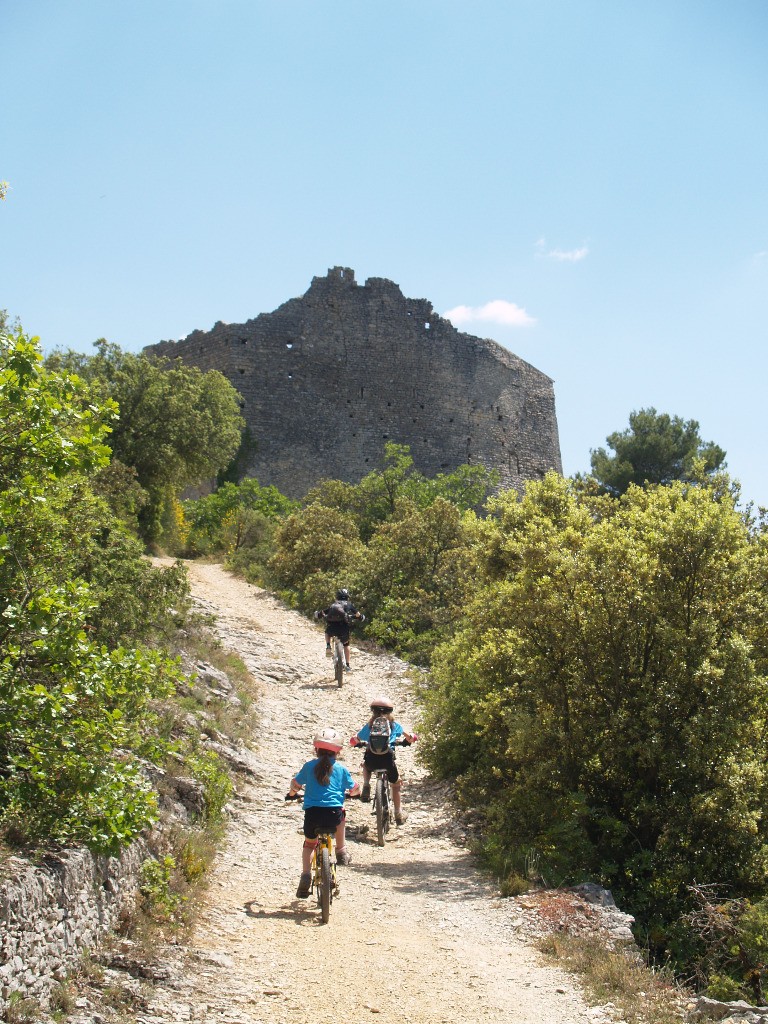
x=322 y=869
x=383 y=804
x=337 y=652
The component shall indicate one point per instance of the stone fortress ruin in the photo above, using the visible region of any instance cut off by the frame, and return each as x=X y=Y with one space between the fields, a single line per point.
x=327 y=379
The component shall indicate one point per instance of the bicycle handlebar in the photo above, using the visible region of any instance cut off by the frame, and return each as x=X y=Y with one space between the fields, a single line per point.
x=364 y=744
x=300 y=796
x=319 y=616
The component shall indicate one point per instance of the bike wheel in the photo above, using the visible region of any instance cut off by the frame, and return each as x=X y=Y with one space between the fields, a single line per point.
x=382 y=810
x=338 y=663
x=326 y=883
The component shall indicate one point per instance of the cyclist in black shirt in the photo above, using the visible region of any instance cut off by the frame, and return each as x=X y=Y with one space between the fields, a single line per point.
x=338 y=616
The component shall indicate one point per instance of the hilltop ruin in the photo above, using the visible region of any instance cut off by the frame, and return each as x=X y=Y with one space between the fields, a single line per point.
x=328 y=378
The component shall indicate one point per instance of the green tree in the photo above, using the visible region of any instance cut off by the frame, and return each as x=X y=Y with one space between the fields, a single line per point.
x=415 y=574
x=606 y=700
x=177 y=426
x=317 y=549
x=73 y=710
x=374 y=499
x=408 y=558
x=656 y=449
x=220 y=521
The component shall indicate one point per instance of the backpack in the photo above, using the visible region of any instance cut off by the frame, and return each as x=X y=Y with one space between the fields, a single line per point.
x=337 y=613
x=381 y=728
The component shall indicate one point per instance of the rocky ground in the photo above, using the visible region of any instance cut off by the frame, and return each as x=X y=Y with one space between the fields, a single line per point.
x=417 y=932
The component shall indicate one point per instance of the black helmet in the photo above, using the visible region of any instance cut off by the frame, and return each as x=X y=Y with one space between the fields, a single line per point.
x=342 y=595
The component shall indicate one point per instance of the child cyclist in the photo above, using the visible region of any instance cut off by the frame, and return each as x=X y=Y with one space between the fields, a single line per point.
x=382 y=731
x=324 y=783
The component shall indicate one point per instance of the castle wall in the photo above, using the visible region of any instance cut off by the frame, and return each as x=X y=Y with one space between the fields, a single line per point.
x=328 y=378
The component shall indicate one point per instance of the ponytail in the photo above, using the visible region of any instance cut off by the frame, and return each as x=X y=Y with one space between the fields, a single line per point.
x=324 y=766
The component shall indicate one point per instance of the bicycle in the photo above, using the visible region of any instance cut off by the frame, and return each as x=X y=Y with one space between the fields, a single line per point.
x=383 y=804
x=337 y=652
x=337 y=649
x=322 y=869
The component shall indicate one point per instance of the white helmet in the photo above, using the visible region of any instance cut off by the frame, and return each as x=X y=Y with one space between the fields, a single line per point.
x=382 y=705
x=328 y=739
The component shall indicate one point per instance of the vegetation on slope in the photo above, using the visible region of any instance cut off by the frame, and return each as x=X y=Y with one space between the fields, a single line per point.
x=598 y=654
x=83 y=691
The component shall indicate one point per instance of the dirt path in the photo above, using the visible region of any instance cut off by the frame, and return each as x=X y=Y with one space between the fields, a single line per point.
x=416 y=933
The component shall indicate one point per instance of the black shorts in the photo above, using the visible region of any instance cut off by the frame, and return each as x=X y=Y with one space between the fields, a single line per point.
x=339 y=629
x=322 y=819
x=378 y=761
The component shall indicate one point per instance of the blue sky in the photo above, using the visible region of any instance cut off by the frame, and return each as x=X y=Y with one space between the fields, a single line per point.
x=586 y=182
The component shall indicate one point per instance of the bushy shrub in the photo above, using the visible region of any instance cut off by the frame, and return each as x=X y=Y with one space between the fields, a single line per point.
x=605 y=697
x=76 y=699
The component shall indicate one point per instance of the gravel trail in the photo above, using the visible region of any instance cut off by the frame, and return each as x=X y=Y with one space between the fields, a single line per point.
x=417 y=932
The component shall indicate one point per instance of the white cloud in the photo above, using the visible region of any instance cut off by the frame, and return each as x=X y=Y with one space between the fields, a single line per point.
x=562 y=255
x=499 y=311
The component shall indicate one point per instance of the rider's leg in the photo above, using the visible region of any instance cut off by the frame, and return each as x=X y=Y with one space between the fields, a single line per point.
x=327 y=642
x=306 y=855
x=366 y=790
x=341 y=843
x=396 y=787
x=346 y=653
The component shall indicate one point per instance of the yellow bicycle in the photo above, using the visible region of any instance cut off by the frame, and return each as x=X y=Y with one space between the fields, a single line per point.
x=322 y=869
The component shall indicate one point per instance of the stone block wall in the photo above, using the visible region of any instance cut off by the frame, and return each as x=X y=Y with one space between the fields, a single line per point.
x=328 y=378
x=50 y=913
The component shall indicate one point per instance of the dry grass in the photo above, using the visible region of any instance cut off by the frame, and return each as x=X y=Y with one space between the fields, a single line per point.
x=641 y=995
x=21 y=1010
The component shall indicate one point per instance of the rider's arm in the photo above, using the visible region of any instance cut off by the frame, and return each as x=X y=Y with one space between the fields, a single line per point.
x=302 y=774
x=400 y=733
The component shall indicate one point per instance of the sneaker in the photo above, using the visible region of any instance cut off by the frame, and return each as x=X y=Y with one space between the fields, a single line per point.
x=347 y=667
x=401 y=817
x=328 y=651
x=365 y=794
x=305 y=886
x=343 y=857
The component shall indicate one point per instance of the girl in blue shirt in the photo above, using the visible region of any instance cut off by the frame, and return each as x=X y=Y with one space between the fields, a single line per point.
x=383 y=707
x=325 y=784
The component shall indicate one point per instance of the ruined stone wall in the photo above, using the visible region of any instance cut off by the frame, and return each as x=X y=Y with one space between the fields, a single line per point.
x=51 y=912
x=328 y=378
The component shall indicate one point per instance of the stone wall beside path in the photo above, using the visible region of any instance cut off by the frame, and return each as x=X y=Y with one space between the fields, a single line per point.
x=51 y=912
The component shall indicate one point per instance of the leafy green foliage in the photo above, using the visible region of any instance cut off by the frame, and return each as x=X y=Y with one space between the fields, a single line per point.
x=731 y=956
x=230 y=518
x=398 y=539
x=177 y=426
x=606 y=696
x=316 y=546
x=414 y=574
x=657 y=449
x=374 y=500
x=75 y=705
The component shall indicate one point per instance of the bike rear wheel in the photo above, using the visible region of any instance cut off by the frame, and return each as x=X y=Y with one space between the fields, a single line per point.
x=338 y=662
x=326 y=882
x=382 y=810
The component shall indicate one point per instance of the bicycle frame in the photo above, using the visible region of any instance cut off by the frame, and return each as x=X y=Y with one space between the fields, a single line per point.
x=382 y=803
x=337 y=648
x=323 y=870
